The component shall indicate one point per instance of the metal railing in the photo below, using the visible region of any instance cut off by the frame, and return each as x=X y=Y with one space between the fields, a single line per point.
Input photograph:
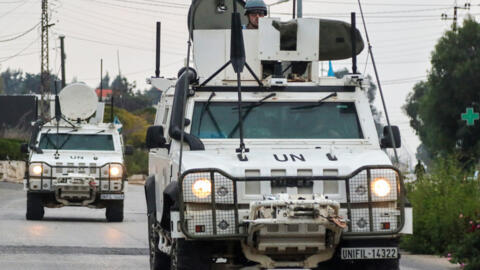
x=98 y=175
x=218 y=209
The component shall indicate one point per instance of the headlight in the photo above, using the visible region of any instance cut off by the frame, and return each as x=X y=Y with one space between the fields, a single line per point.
x=381 y=187
x=36 y=169
x=202 y=188
x=115 y=170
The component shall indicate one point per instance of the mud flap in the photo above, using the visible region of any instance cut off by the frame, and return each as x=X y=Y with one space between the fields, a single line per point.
x=150 y=195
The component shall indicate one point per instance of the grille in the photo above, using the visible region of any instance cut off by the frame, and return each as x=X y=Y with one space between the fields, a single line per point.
x=209 y=208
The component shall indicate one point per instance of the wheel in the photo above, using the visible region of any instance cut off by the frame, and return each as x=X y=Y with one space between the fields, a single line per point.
x=35 y=209
x=158 y=259
x=114 y=211
x=190 y=255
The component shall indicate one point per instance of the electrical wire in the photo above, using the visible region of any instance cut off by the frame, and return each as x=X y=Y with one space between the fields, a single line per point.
x=377 y=4
x=13 y=9
x=136 y=9
x=4 y=59
x=20 y=35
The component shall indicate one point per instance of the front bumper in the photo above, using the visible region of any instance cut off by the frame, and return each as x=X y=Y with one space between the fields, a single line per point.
x=80 y=186
x=292 y=232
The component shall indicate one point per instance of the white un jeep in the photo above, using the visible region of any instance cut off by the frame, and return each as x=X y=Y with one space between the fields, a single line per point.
x=76 y=159
x=309 y=186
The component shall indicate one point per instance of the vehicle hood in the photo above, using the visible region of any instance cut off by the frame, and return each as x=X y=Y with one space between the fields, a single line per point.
x=266 y=161
x=77 y=158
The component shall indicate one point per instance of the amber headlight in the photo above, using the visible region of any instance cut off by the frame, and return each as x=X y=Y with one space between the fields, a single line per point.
x=202 y=188
x=36 y=169
x=115 y=170
x=381 y=187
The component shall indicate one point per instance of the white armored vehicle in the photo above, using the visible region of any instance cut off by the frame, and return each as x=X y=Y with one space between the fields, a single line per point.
x=274 y=167
x=75 y=159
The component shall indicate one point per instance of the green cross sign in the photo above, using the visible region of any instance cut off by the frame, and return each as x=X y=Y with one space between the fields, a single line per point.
x=470 y=116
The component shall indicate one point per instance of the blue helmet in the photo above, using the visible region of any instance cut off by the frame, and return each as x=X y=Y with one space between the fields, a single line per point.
x=255 y=6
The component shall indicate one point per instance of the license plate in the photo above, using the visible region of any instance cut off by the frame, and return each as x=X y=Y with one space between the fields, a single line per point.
x=369 y=253
x=111 y=196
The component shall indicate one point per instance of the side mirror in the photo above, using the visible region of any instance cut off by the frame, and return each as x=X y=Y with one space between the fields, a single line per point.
x=24 y=148
x=128 y=150
x=386 y=141
x=155 y=138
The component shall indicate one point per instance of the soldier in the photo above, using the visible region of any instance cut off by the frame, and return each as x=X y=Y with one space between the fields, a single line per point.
x=253 y=10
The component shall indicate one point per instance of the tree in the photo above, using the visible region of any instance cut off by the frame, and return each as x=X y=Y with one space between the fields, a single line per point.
x=12 y=81
x=452 y=85
x=105 y=81
x=2 y=87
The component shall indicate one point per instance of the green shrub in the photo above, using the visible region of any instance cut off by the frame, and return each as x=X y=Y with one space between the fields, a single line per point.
x=134 y=126
x=10 y=149
x=467 y=252
x=137 y=163
x=438 y=199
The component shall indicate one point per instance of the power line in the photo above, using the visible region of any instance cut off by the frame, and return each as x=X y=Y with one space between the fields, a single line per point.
x=123 y=22
x=136 y=8
x=20 y=35
x=376 y=4
x=119 y=45
x=4 y=59
x=13 y=9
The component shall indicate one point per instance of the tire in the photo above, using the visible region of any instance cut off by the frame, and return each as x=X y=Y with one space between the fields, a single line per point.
x=190 y=255
x=114 y=211
x=35 y=209
x=158 y=259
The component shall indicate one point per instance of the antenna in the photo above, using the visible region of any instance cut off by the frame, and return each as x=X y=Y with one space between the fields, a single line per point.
x=237 y=58
x=62 y=57
x=353 y=36
x=157 y=50
x=101 y=81
x=111 y=106
x=58 y=117
x=378 y=82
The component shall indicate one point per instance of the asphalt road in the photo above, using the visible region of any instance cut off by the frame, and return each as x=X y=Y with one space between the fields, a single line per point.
x=80 y=238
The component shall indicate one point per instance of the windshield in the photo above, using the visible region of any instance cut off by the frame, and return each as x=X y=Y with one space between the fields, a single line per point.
x=77 y=142
x=281 y=120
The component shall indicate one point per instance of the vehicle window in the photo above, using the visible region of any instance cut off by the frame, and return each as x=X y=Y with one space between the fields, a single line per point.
x=282 y=120
x=77 y=142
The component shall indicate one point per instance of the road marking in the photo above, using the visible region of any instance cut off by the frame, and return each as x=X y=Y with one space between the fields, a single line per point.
x=72 y=250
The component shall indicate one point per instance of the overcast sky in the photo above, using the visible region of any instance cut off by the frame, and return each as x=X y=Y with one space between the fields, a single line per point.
x=403 y=34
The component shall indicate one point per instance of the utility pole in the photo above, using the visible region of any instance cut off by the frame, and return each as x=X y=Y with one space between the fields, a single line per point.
x=455 y=14
x=44 y=68
x=62 y=56
x=118 y=63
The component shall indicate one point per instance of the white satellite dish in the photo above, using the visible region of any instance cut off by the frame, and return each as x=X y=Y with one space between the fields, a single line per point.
x=78 y=101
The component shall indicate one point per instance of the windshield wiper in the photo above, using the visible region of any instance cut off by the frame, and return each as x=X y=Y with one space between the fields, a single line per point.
x=319 y=103
x=206 y=109
x=249 y=109
x=48 y=138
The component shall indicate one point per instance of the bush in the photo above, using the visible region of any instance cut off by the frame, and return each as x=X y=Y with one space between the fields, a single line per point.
x=437 y=200
x=137 y=163
x=10 y=149
x=134 y=127
x=467 y=252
